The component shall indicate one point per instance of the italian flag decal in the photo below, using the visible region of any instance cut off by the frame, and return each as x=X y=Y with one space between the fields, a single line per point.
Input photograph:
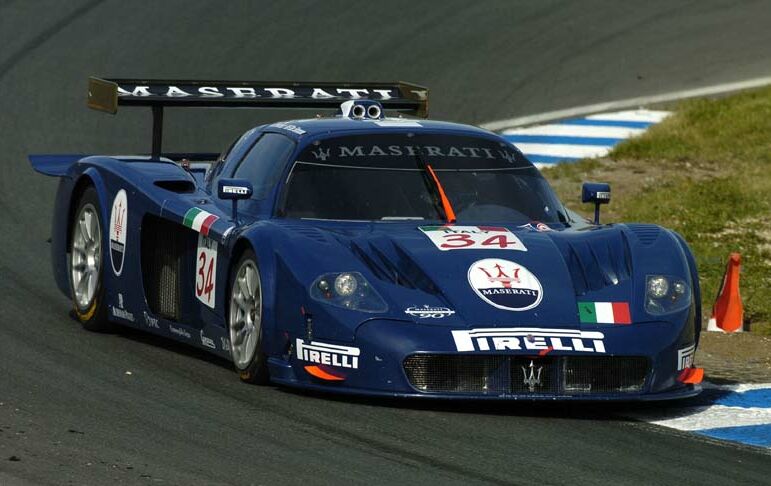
x=199 y=220
x=604 y=313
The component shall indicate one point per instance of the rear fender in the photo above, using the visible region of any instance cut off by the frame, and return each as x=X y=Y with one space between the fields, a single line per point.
x=57 y=165
x=64 y=209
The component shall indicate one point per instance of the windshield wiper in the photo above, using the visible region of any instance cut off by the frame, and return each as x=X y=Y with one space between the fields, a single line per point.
x=435 y=187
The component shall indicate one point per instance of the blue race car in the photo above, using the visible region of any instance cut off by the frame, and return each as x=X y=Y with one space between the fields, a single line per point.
x=374 y=255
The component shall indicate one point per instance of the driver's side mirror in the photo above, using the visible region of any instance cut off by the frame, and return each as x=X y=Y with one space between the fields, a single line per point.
x=234 y=190
x=597 y=193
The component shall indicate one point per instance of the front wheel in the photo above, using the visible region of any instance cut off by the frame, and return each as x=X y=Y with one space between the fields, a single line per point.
x=245 y=320
x=86 y=264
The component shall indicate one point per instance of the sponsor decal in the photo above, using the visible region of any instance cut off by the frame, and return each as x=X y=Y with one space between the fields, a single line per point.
x=118 y=221
x=505 y=284
x=448 y=238
x=207 y=341
x=225 y=343
x=604 y=313
x=289 y=127
x=536 y=226
x=685 y=357
x=206 y=270
x=179 y=331
x=199 y=220
x=528 y=339
x=120 y=312
x=429 y=312
x=151 y=321
x=328 y=354
x=348 y=151
x=244 y=91
x=235 y=190
x=533 y=378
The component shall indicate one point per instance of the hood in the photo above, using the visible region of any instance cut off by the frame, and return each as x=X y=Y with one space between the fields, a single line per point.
x=537 y=279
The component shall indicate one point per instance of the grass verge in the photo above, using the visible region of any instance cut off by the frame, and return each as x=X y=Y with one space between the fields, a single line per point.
x=704 y=172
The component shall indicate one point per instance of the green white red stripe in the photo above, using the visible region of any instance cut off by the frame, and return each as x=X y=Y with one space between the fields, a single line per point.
x=199 y=220
x=604 y=313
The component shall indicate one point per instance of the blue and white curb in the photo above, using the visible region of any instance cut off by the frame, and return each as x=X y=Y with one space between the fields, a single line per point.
x=578 y=138
x=736 y=413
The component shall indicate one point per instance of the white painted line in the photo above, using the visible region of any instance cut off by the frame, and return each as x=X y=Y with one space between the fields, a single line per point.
x=576 y=131
x=647 y=116
x=708 y=417
x=563 y=150
x=627 y=103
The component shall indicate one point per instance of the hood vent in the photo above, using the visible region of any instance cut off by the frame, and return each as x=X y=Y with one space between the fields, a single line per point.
x=646 y=233
x=391 y=264
x=597 y=262
x=304 y=230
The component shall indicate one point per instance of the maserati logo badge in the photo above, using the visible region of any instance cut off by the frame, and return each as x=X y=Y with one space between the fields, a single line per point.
x=321 y=154
x=533 y=378
x=505 y=284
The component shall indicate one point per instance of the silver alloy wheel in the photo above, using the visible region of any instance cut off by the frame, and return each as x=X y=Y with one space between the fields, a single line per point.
x=85 y=260
x=245 y=317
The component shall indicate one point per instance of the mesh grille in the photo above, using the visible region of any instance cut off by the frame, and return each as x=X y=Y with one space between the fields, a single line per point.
x=163 y=245
x=490 y=374
x=457 y=374
x=604 y=374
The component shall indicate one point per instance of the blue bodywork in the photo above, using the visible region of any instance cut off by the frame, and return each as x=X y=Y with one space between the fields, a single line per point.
x=574 y=263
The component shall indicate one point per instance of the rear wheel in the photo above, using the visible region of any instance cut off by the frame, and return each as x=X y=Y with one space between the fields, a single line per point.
x=245 y=320
x=86 y=263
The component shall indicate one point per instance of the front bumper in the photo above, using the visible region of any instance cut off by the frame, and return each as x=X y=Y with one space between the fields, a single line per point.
x=398 y=359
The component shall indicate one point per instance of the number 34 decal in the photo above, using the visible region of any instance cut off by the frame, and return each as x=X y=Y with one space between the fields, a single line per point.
x=206 y=270
x=472 y=237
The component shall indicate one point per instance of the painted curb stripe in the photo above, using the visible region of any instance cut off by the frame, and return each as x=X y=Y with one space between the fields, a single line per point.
x=760 y=398
x=758 y=435
x=557 y=130
x=607 y=123
x=549 y=159
x=563 y=140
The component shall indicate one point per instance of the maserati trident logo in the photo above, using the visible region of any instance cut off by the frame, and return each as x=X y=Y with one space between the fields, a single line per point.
x=321 y=154
x=533 y=378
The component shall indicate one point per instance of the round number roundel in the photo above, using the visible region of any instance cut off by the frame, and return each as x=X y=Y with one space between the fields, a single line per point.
x=505 y=284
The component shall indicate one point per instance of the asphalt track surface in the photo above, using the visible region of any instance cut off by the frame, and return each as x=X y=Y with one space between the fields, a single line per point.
x=69 y=412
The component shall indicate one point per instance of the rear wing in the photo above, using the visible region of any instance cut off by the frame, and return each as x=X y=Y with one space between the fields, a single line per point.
x=107 y=94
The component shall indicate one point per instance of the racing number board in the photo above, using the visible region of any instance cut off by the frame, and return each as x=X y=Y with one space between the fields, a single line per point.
x=448 y=238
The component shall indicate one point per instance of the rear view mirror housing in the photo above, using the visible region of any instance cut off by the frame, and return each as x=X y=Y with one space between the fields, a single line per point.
x=596 y=193
x=234 y=190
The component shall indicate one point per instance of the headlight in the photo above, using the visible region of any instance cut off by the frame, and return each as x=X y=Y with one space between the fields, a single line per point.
x=665 y=294
x=349 y=290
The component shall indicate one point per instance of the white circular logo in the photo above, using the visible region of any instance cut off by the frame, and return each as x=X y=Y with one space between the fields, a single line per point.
x=118 y=221
x=505 y=284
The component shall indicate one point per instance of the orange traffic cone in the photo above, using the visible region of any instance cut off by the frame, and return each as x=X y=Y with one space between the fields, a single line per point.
x=728 y=312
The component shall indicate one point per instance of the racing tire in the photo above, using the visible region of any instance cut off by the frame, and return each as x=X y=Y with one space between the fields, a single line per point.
x=86 y=263
x=245 y=319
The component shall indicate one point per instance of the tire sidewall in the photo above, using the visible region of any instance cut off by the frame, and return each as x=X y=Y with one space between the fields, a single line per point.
x=94 y=316
x=257 y=369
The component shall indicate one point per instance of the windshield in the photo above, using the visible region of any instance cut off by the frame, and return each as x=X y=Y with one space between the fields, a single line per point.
x=384 y=176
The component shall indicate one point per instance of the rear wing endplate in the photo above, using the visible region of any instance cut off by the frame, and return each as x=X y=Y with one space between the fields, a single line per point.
x=108 y=94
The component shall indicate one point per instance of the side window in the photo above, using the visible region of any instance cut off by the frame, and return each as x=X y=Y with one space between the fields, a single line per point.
x=263 y=165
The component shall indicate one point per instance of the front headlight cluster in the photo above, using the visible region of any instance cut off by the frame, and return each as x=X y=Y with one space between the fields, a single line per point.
x=665 y=294
x=349 y=290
